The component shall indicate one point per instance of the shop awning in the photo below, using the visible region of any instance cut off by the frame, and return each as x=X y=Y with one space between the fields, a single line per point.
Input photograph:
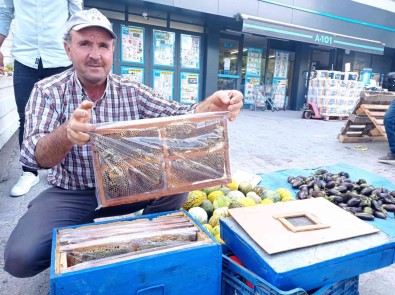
x=271 y=28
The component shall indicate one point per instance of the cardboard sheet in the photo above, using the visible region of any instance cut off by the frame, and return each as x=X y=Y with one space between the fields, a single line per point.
x=266 y=229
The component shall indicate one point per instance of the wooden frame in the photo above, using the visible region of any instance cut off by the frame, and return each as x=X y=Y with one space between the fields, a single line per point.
x=91 y=238
x=316 y=223
x=169 y=162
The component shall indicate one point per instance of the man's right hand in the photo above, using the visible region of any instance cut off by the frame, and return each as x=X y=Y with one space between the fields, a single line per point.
x=78 y=126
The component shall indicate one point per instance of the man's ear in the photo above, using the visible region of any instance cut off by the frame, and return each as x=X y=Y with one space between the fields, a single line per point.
x=67 y=49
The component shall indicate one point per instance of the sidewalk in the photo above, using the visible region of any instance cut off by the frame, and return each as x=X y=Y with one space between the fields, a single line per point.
x=260 y=141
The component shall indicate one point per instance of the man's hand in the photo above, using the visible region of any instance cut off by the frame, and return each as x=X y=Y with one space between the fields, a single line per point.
x=223 y=100
x=78 y=126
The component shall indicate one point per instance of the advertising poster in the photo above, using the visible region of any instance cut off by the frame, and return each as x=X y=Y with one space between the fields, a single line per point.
x=164 y=43
x=254 y=62
x=190 y=51
x=251 y=85
x=133 y=73
x=189 y=89
x=132 y=44
x=163 y=83
x=281 y=64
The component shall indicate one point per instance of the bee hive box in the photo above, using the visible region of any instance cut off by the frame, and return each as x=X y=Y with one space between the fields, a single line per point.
x=165 y=253
x=151 y=158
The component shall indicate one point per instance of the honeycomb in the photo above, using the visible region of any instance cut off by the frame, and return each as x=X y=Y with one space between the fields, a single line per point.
x=159 y=157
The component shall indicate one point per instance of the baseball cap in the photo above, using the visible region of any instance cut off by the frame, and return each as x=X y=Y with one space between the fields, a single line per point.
x=89 y=18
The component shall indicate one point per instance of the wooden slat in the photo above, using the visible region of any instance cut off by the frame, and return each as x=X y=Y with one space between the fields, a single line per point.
x=375 y=114
x=369 y=110
x=352 y=139
x=375 y=106
x=354 y=118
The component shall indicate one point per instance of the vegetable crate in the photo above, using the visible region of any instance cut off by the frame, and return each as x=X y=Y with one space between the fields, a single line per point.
x=164 y=253
x=312 y=267
x=237 y=280
x=151 y=158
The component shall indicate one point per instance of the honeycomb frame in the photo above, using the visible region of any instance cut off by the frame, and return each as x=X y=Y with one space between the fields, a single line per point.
x=150 y=158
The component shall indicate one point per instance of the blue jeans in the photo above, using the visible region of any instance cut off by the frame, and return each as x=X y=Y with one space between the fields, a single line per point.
x=24 y=80
x=389 y=124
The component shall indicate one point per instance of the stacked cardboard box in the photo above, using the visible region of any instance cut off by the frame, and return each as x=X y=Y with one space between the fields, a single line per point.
x=334 y=93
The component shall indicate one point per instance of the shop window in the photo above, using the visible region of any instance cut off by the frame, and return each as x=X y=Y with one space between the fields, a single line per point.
x=228 y=64
x=253 y=68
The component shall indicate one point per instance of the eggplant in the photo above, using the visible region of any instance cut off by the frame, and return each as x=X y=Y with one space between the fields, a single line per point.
x=367 y=191
x=389 y=207
x=349 y=186
x=302 y=195
x=330 y=184
x=345 y=174
x=354 y=202
x=341 y=188
x=361 y=181
x=355 y=209
x=297 y=183
x=365 y=216
x=379 y=214
x=376 y=205
x=338 y=199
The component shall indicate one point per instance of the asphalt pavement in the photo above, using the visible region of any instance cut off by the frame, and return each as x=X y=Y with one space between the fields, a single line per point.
x=260 y=141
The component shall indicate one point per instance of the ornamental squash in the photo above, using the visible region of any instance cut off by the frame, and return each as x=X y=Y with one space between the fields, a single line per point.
x=194 y=199
x=260 y=190
x=214 y=194
x=199 y=214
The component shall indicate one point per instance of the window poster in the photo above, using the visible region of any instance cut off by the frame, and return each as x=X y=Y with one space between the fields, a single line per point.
x=133 y=73
x=189 y=89
x=190 y=51
x=251 y=89
x=163 y=83
x=254 y=62
x=281 y=64
x=164 y=43
x=132 y=44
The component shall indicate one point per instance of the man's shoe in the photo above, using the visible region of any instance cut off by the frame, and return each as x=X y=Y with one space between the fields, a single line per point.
x=388 y=159
x=24 y=184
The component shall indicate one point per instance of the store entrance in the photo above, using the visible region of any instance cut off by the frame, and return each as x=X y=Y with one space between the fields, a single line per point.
x=322 y=58
x=267 y=71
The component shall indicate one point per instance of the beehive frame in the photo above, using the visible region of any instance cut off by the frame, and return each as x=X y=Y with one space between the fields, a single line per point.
x=178 y=154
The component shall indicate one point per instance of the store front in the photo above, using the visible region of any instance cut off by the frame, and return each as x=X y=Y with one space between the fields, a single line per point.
x=168 y=60
x=187 y=54
x=260 y=67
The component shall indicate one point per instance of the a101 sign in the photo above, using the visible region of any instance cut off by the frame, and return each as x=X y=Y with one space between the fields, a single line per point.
x=323 y=39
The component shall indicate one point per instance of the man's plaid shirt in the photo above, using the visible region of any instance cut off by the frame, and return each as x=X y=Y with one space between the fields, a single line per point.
x=53 y=101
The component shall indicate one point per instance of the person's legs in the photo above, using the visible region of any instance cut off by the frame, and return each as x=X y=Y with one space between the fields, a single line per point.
x=389 y=124
x=28 y=249
x=24 y=80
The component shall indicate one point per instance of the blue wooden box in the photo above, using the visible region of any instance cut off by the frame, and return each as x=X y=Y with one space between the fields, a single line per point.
x=186 y=270
x=311 y=267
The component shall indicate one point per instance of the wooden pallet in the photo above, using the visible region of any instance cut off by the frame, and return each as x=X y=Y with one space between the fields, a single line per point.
x=334 y=117
x=365 y=123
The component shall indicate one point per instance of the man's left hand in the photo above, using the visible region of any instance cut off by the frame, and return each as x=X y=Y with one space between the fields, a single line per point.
x=223 y=100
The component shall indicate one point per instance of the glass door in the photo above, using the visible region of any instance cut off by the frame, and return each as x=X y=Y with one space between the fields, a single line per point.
x=228 y=68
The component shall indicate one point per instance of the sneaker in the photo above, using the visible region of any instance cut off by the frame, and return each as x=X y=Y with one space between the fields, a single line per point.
x=388 y=159
x=24 y=184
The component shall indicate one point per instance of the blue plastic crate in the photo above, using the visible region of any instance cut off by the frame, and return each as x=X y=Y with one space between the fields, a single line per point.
x=235 y=278
x=168 y=272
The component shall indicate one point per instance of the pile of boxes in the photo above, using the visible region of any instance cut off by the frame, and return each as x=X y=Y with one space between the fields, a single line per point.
x=334 y=93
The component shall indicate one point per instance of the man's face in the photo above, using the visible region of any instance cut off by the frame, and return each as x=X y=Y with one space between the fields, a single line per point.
x=91 y=52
